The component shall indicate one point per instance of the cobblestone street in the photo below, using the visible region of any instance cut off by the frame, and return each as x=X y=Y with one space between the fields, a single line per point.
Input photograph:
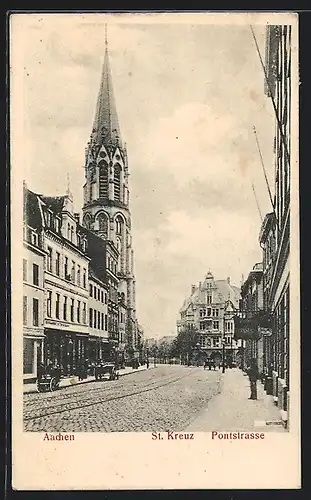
x=164 y=398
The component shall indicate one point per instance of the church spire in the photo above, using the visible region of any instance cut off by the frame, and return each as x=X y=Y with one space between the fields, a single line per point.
x=106 y=128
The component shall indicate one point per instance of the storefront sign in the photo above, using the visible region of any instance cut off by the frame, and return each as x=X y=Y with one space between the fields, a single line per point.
x=57 y=323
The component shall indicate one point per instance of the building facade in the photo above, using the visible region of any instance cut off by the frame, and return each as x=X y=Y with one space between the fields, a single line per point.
x=278 y=88
x=210 y=309
x=33 y=286
x=99 y=347
x=66 y=285
x=106 y=209
x=252 y=303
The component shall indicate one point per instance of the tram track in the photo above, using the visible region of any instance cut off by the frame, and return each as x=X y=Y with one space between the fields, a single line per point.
x=66 y=406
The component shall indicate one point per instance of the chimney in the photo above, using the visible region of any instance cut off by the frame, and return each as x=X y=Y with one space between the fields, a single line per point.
x=193 y=287
x=77 y=217
x=228 y=279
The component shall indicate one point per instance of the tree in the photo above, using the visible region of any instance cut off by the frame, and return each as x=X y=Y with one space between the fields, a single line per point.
x=185 y=343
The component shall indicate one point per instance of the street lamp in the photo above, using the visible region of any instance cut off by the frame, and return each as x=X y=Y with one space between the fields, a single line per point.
x=223 y=354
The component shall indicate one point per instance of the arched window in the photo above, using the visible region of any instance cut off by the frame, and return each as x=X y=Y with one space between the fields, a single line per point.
x=103 y=180
x=119 y=225
x=102 y=219
x=117 y=182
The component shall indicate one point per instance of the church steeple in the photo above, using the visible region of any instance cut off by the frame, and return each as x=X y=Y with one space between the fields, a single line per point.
x=106 y=130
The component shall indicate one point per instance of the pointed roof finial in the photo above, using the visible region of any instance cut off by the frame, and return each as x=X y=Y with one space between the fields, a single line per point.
x=106 y=124
x=68 y=192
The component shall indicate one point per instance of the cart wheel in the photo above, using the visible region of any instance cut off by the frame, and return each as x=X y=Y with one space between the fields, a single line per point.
x=53 y=384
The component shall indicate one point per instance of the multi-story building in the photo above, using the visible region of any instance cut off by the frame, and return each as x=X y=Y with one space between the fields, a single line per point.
x=104 y=255
x=277 y=300
x=66 y=284
x=251 y=304
x=106 y=209
x=267 y=240
x=33 y=291
x=210 y=309
x=99 y=346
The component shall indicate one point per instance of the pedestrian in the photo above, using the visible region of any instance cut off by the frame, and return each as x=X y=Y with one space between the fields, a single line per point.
x=253 y=375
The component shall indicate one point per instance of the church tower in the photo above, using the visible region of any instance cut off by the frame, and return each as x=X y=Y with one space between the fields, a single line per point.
x=106 y=209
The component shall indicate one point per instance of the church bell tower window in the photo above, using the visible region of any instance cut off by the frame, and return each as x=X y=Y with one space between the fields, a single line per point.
x=117 y=182
x=103 y=180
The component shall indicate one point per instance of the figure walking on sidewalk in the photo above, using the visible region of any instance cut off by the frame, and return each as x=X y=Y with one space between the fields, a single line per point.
x=253 y=375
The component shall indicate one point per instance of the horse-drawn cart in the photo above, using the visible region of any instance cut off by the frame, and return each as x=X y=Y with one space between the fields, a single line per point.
x=106 y=370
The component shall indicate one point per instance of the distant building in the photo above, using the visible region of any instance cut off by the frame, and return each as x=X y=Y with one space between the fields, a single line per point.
x=33 y=286
x=210 y=308
x=169 y=339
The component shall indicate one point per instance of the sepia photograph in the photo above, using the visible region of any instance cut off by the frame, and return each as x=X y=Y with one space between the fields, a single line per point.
x=155 y=170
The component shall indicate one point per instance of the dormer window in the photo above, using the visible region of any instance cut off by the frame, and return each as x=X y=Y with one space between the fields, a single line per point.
x=48 y=218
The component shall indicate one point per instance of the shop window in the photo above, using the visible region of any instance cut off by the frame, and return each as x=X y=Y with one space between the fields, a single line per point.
x=28 y=356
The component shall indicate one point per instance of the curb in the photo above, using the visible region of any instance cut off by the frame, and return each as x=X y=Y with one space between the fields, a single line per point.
x=91 y=380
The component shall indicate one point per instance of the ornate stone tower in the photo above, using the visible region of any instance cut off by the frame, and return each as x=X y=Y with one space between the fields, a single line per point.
x=106 y=209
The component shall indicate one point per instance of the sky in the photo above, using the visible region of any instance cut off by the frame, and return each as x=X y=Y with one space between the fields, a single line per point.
x=188 y=95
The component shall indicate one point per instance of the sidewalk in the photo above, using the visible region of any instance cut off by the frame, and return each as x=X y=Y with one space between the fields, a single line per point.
x=231 y=410
x=66 y=382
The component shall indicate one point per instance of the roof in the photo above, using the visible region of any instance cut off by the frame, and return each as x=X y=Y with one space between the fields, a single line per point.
x=225 y=291
x=55 y=203
x=32 y=213
x=94 y=275
x=96 y=251
x=106 y=128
